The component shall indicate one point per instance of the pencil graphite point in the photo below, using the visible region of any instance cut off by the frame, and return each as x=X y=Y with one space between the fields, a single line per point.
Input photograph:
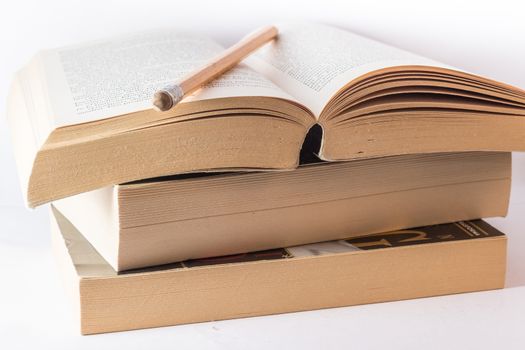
x=162 y=101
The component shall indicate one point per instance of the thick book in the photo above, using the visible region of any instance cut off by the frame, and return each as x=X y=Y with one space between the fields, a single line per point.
x=159 y=221
x=81 y=116
x=420 y=262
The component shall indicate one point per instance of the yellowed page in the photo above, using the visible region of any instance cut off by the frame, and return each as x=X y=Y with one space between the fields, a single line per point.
x=113 y=77
x=312 y=61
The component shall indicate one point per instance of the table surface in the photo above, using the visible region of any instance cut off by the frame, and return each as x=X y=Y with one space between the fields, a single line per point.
x=486 y=39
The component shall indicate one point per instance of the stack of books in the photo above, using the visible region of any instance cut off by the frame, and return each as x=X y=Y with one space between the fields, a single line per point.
x=326 y=170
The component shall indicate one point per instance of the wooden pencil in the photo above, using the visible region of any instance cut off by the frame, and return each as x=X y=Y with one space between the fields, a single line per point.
x=170 y=95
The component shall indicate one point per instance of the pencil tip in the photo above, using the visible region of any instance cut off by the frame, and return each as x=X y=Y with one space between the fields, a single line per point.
x=162 y=101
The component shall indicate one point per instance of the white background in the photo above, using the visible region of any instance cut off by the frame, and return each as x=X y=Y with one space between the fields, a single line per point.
x=488 y=39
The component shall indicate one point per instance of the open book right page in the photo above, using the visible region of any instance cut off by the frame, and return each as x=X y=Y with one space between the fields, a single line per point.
x=312 y=62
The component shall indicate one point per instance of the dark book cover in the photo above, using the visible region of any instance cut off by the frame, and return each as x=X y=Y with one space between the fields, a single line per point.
x=462 y=230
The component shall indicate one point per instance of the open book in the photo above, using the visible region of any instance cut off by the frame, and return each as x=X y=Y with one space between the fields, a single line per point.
x=81 y=116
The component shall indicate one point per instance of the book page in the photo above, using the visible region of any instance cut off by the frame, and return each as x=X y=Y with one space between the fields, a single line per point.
x=114 y=77
x=312 y=61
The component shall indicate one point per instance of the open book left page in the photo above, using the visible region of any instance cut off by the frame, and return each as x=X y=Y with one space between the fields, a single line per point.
x=114 y=77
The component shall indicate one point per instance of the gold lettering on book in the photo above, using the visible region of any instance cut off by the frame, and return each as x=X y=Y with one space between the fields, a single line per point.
x=390 y=239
